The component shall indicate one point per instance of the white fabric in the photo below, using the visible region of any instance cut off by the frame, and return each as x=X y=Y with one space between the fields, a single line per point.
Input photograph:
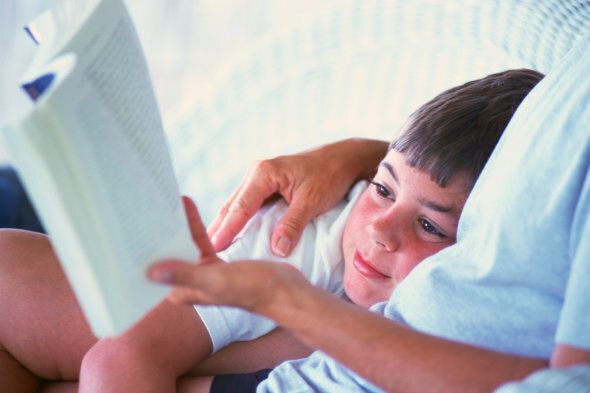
x=318 y=256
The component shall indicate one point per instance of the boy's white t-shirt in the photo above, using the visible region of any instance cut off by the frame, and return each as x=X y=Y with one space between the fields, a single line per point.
x=318 y=255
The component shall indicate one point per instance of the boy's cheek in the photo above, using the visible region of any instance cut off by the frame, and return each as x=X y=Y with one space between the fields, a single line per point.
x=354 y=237
x=359 y=216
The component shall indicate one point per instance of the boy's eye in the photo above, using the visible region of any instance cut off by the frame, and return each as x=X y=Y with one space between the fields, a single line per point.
x=430 y=229
x=382 y=190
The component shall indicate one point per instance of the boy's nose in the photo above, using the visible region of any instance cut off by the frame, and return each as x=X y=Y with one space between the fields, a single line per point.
x=385 y=230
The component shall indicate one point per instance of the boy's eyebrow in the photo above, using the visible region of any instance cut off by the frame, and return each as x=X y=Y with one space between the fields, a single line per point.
x=436 y=207
x=429 y=204
x=390 y=169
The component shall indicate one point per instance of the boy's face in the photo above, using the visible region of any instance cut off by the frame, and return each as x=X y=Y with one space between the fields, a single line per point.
x=402 y=218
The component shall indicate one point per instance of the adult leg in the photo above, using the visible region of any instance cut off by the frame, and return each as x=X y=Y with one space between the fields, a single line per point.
x=43 y=334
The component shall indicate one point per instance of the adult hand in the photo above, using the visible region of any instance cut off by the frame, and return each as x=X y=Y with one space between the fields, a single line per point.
x=212 y=281
x=311 y=183
x=198 y=231
x=251 y=285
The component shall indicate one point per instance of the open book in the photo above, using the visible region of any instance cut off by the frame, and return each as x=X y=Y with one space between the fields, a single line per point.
x=93 y=156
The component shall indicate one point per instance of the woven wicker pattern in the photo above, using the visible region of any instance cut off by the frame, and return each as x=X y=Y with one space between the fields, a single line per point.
x=356 y=68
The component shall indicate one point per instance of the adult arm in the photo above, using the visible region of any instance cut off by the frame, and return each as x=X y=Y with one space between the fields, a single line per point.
x=311 y=182
x=398 y=358
x=386 y=353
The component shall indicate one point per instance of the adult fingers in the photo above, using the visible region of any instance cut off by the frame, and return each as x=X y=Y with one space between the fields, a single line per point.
x=181 y=273
x=209 y=283
x=197 y=229
x=170 y=271
x=252 y=285
x=214 y=227
x=289 y=229
x=185 y=277
x=234 y=215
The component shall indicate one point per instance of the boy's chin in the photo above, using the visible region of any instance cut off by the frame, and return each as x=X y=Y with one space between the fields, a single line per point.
x=366 y=299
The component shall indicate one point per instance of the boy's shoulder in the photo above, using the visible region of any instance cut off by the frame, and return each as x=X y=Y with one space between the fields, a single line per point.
x=270 y=214
x=254 y=239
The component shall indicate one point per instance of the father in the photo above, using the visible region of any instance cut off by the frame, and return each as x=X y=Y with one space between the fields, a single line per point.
x=509 y=298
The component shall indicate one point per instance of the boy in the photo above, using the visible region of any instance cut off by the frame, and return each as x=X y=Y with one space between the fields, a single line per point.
x=408 y=213
x=411 y=209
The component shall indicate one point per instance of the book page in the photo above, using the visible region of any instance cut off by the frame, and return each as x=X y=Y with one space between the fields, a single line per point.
x=132 y=152
x=119 y=119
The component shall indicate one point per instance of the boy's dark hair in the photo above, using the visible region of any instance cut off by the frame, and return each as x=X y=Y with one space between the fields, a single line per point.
x=456 y=131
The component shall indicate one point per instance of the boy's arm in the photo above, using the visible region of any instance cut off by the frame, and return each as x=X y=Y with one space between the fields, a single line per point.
x=248 y=356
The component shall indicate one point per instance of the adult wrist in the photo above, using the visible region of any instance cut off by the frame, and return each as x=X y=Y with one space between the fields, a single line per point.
x=301 y=309
x=292 y=297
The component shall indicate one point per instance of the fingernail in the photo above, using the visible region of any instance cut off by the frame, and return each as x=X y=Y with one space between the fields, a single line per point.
x=283 y=246
x=161 y=275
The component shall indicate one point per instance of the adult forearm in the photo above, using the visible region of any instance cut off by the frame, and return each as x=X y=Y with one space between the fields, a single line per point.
x=356 y=156
x=384 y=352
x=391 y=355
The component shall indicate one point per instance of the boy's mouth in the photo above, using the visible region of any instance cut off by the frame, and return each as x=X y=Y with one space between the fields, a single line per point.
x=365 y=268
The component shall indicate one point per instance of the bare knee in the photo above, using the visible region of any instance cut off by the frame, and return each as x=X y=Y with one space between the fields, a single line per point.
x=155 y=352
x=109 y=359
x=122 y=365
x=107 y=354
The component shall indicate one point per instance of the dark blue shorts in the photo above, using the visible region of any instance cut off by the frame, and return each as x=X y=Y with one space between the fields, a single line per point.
x=238 y=383
x=16 y=210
